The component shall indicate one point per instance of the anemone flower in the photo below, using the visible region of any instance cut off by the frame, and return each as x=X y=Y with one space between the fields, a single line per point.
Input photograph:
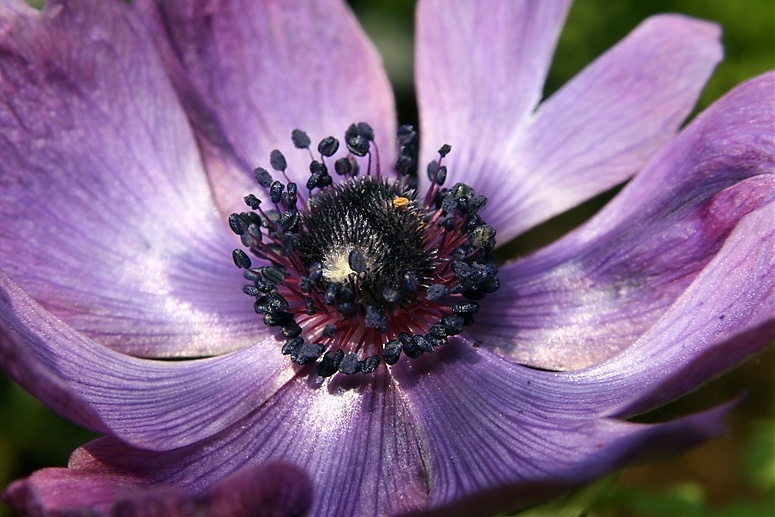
x=366 y=356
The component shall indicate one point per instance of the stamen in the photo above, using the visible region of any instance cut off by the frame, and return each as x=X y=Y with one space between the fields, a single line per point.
x=277 y=161
x=300 y=139
x=363 y=269
x=328 y=146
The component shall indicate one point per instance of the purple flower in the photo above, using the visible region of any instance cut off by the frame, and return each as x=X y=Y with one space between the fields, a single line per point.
x=129 y=134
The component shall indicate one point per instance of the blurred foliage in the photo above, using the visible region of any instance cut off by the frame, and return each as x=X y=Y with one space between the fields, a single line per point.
x=734 y=475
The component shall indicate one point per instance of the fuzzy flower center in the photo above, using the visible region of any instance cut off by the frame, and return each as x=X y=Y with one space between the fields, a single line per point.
x=365 y=269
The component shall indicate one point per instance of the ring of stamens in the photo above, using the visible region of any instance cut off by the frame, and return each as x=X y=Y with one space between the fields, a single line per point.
x=365 y=269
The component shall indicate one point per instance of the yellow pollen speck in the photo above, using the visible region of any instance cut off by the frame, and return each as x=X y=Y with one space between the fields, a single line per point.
x=399 y=202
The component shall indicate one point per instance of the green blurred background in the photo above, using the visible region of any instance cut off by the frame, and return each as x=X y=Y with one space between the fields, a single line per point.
x=730 y=476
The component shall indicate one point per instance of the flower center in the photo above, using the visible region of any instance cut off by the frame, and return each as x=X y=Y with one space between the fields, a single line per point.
x=365 y=269
x=368 y=233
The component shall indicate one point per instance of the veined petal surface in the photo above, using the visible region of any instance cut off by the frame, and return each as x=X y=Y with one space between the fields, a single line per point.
x=154 y=404
x=597 y=290
x=107 y=216
x=251 y=72
x=479 y=92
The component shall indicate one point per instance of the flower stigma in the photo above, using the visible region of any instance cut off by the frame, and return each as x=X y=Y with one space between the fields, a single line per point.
x=364 y=269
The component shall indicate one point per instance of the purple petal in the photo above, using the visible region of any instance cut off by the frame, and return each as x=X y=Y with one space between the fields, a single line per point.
x=355 y=438
x=726 y=314
x=600 y=288
x=251 y=72
x=272 y=489
x=501 y=436
x=107 y=216
x=480 y=67
x=591 y=135
x=607 y=122
x=154 y=404
x=53 y=490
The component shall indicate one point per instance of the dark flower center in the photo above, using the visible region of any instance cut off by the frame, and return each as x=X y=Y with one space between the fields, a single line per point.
x=372 y=230
x=365 y=269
